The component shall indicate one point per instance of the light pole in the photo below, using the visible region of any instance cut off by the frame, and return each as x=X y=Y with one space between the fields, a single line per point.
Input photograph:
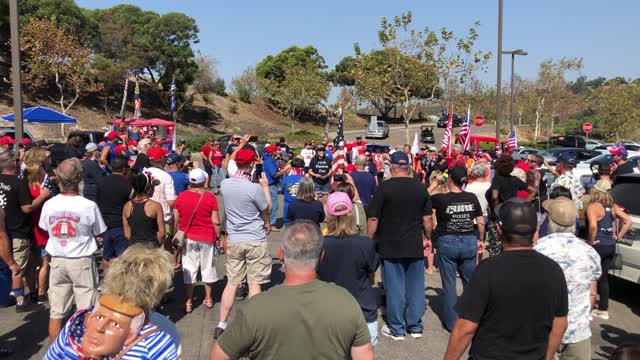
x=15 y=68
x=513 y=57
x=499 y=81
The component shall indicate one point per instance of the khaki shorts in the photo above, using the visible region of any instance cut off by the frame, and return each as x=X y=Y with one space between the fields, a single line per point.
x=250 y=259
x=21 y=252
x=69 y=280
x=576 y=351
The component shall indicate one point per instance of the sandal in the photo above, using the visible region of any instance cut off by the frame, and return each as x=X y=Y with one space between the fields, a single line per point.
x=188 y=307
x=208 y=304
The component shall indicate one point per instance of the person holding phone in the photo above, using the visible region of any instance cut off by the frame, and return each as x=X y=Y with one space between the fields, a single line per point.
x=270 y=169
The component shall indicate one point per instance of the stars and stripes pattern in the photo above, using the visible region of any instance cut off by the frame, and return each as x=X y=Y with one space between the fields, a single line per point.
x=137 y=102
x=465 y=130
x=512 y=140
x=446 y=139
x=340 y=133
x=339 y=160
x=173 y=98
x=124 y=95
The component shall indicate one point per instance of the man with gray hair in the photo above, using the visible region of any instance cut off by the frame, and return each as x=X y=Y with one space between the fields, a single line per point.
x=400 y=221
x=580 y=264
x=72 y=222
x=306 y=316
x=365 y=182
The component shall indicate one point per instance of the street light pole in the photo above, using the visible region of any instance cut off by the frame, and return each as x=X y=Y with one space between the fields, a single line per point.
x=499 y=81
x=15 y=68
x=513 y=57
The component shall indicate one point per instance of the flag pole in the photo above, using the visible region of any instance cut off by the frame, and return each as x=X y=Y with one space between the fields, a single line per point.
x=124 y=96
x=173 y=112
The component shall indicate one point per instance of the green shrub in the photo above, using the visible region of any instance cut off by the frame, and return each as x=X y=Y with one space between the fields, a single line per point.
x=244 y=95
x=195 y=142
x=219 y=87
x=233 y=108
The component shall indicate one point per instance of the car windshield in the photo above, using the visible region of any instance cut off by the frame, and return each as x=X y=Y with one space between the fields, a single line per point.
x=380 y=123
x=603 y=159
x=553 y=152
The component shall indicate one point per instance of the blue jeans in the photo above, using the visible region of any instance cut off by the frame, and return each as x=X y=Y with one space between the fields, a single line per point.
x=404 y=288
x=455 y=253
x=215 y=172
x=273 y=192
x=373 y=332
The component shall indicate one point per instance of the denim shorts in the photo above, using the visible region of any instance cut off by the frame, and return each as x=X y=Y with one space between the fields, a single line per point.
x=40 y=251
x=114 y=243
x=323 y=188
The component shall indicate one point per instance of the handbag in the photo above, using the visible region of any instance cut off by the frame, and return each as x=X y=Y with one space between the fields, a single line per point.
x=180 y=236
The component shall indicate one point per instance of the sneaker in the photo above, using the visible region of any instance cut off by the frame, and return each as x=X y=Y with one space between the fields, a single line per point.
x=386 y=332
x=217 y=332
x=28 y=306
x=274 y=229
x=602 y=314
x=415 y=334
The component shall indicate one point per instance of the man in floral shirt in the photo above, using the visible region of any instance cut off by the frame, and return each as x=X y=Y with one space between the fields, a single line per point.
x=581 y=266
x=566 y=179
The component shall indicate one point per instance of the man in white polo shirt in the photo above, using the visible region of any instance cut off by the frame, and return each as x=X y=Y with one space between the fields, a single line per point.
x=73 y=222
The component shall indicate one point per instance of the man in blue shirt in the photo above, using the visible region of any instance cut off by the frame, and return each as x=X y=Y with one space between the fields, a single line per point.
x=180 y=179
x=273 y=173
x=364 y=181
x=290 y=184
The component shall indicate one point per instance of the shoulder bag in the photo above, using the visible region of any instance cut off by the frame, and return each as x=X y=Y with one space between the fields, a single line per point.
x=180 y=237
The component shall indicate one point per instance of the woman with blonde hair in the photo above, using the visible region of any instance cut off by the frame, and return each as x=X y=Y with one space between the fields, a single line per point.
x=35 y=161
x=119 y=325
x=350 y=259
x=436 y=184
x=602 y=215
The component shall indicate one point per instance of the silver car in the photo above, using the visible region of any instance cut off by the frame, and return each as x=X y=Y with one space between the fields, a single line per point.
x=377 y=129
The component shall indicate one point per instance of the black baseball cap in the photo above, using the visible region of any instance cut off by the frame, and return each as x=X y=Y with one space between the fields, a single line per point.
x=458 y=175
x=566 y=158
x=517 y=216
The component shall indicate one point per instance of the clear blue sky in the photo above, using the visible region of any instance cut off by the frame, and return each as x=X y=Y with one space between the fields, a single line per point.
x=240 y=33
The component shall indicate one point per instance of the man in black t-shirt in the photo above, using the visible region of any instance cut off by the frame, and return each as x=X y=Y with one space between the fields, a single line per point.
x=142 y=159
x=320 y=171
x=516 y=305
x=15 y=200
x=400 y=222
x=620 y=155
x=456 y=241
x=113 y=194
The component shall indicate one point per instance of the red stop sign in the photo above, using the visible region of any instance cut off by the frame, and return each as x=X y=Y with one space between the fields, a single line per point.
x=478 y=120
x=587 y=127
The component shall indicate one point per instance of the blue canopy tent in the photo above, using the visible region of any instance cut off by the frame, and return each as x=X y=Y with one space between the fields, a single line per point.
x=41 y=114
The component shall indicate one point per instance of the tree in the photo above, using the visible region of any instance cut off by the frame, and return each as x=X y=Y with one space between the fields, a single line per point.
x=53 y=56
x=373 y=80
x=294 y=80
x=207 y=75
x=67 y=15
x=342 y=75
x=246 y=85
x=616 y=109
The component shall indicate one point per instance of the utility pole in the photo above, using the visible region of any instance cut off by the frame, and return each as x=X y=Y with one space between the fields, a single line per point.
x=15 y=69
x=513 y=58
x=499 y=81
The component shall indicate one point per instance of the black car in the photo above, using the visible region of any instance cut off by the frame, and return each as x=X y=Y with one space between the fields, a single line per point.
x=456 y=121
x=569 y=141
x=426 y=134
x=552 y=155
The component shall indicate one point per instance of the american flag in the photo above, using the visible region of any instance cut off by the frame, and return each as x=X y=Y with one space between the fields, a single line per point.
x=339 y=159
x=124 y=96
x=137 y=102
x=465 y=130
x=340 y=134
x=173 y=98
x=512 y=140
x=446 y=140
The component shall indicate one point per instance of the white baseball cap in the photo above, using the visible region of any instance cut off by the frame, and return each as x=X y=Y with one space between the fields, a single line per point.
x=197 y=176
x=91 y=147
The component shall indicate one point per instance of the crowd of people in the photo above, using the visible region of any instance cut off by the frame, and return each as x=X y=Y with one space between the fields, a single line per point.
x=349 y=210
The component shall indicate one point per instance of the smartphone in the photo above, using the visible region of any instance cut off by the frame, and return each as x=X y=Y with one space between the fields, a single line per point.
x=253 y=139
x=257 y=174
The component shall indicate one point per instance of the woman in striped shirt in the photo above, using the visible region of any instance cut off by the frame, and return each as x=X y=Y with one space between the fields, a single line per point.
x=118 y=326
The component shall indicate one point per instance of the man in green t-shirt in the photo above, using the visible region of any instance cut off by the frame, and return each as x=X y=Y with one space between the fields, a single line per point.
x=304 y=317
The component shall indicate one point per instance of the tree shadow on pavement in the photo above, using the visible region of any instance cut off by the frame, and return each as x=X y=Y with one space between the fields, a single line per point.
x=626 y=293
x=25 y=339
x=615 y=337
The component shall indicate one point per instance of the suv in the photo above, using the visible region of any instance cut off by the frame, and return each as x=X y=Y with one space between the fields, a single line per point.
x=379 y=129
x=10 y=131
x=626 y=194
x=456 y=121
x=565 y=141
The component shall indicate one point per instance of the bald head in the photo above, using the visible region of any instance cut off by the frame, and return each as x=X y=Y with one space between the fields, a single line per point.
x=70 y=174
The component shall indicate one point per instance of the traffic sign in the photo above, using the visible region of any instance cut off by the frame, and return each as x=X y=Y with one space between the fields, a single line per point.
x=587 y=127
x=478 y=120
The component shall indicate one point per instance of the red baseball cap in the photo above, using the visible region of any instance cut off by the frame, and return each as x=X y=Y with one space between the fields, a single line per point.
x=155 y=153
x=7 y=140
x=132 y=143
x=158 y=141
x=112 y=135
x=25 y=141
x=271 y=148
x=245 y=156
x=120 y=148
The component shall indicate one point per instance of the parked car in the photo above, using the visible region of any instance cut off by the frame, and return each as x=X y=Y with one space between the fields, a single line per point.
x=426 y=135
x=579 y=154
x=630 y=147
x=592 y=144
x=10 y=131
x=378 y=129
x=584 y=168
x=522 y=153
x=456 y=121
x=571 y=141
x=626 y=194
x=224 y=142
